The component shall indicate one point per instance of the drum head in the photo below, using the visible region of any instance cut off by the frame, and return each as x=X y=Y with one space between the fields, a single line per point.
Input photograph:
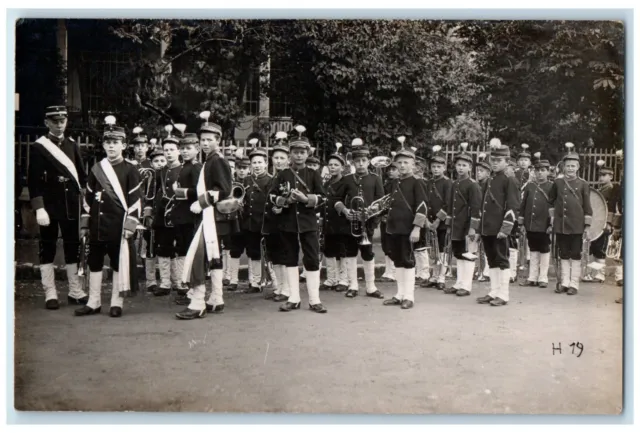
x=599 y=218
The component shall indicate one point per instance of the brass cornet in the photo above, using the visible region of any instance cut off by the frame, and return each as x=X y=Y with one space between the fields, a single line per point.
x=614 y=249
x=358 y=224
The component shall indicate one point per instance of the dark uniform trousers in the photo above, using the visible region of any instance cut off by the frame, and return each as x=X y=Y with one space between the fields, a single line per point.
x=352 y=246
x=97 y=251
x=335 y=245
x=252 y=242
x=184 y=234
x=274 y=244
x=442 y=236
x=401 y=250
x=310 y=249
x=384 y=238
x=49 y=238
x=165 y=241
x=539 y=242
x=237 y=245
x=459 y=248
x=146 y=235
x=570 y=246
x=496 y=251
x=598 y=247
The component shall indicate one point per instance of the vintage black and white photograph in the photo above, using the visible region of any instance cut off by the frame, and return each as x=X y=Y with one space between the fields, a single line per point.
x=319 y=216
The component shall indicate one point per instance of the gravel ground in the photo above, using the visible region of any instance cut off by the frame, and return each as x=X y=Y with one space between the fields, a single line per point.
x=447 y=355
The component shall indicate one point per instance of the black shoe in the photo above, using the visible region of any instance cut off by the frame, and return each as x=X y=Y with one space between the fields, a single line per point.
x=392 y=301
x=182 y=292
x=351 y=293
x=463 y=292
x=341 y=288
x=232 y=288
x=512 y=280
x=152 y=288
x=87 y=311
x=619 y=283
x=161 y=292
x=280 y=298
x=498 y=302
x=326 y=287
x=317 y=308
x=253 y=289
x=440 y=286
x=377 y=294
x=406 y=304
x=429 y=284
x=484 y=299
x=302 y=279
x=182 y=300
x=115 y=311
x=528 y=283
x=542 y=285
x=218 y=309
x=450 y=291
x=226 y=282
x=270 y=295
x=572 y=291
x=188 y=314
x=288 y=306
x=561 y=289
x=79 y=301
x=52 y=304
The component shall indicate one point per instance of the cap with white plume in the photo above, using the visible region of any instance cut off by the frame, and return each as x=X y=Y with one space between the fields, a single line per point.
x=209 y=126
x=498 y=150
x=299 y=142
x=358 y=148
x=571 y=155
x=463 y=154
x=113 y=131
x=524 y=153
x=403 y=152
x=170 y=138
x=602 y=169
x=337 y=155
x=139 y=136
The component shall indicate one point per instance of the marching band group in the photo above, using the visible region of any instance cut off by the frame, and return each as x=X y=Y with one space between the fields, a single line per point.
x=192 y=221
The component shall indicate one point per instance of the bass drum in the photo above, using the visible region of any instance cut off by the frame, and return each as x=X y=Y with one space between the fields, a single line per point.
x=599 y=218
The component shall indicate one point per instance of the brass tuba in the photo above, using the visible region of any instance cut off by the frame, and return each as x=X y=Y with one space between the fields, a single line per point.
x=234 y=202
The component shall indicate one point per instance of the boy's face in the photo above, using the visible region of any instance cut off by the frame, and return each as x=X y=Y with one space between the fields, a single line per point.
x=171 y=152
x=571 y=168
x=56 y=126
x=498 y=163
x=542 y=173
x=405 y=165
x=242 y=171
x=482 y=173
x=437 y=169
x=393 y=172
x=605 y=178
x=280 y=160
x=299 y=156
x=524 y=163
x=462 y=167
x=113 y=147
x=258 y=165
x=335 y=168
x=313 y=166
x=158 y=162
x=209 y=142
x=362 y=164
x=189 y=151
x=140 y=150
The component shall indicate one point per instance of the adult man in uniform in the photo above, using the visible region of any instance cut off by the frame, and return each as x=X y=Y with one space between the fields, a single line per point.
x=500 y=204
x=56 y=178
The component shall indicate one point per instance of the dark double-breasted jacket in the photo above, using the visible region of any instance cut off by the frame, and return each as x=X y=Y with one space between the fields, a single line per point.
x=103 y=212
x=163 y=199
x=464 y=207
x=186 y=194
x=218 y=180
x=51 y=185
x=438 y=199
x=500 y=205
x=408 y=206
x=256 y=193
x=297 y=217
x=339 y=191
x=534 y=207
x=570 y=205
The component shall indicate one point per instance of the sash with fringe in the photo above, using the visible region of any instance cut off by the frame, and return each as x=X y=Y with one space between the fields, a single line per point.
x=59 y=158
x=205 y=242
x=111 y=186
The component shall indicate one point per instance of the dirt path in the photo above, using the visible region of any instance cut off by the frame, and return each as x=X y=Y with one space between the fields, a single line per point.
x=447 y=355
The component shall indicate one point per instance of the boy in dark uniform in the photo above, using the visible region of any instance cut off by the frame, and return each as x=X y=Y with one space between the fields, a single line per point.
x=161 y=212
x=368 y=186
x=280 y=161
x=407 y=215
x=237 y=244
x=463 y=220
x=598 y=248
x=500 y=204
x=186 y=196
x=205 y=252
x=111 y=212
x=570 y=212
x=483 y=172
x=56 y=178
x=617 y=223
x=438 y=201
x=140 y=149
x=389 y=268
x=256 y=193
x=534 y=218
x=524 y=162
x=337 y=227
x=420 y=248
x=297 y=191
